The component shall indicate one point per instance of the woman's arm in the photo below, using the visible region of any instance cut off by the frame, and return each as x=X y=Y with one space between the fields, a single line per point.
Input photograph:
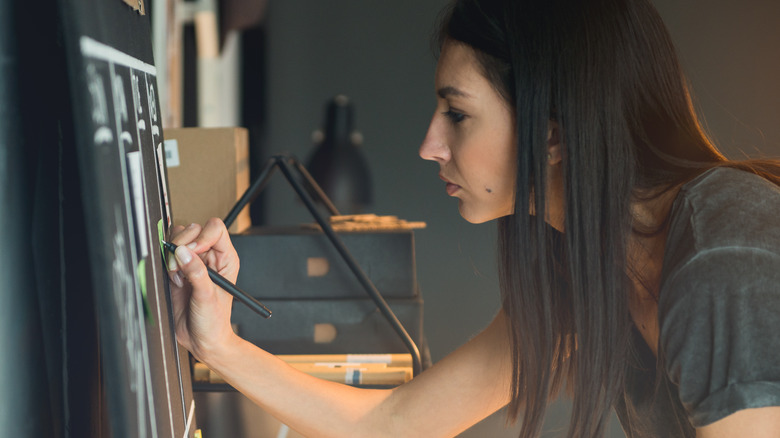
x=468 y=385
x=460 y=390
x=755 y=423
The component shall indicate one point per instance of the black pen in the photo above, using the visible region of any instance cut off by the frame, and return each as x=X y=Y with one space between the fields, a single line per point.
x=231 y=288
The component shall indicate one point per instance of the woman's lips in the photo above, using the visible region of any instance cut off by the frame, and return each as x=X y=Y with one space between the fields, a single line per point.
x=452 y=188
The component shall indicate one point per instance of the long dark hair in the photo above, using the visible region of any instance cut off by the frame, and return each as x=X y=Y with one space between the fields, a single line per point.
x=607 y=72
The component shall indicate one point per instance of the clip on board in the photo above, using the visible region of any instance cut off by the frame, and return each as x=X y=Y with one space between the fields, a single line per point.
x=118 y=131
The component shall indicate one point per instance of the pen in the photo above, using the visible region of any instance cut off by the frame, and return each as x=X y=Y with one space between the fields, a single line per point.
x=231 y=288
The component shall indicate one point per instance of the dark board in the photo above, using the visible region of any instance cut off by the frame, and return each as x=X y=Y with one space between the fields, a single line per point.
x=118 y=144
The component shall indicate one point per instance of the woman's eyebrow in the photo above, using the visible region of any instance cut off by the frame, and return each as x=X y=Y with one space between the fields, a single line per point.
x=447 y=91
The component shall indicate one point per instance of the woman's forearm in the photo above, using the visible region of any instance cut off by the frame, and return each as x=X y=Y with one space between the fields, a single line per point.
x=458 y=391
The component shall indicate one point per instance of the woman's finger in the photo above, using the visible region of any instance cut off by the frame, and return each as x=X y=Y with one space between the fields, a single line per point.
x=186 y=236
x=173 y=270
x=214 y=247
x=174 y=232
x=213 y=235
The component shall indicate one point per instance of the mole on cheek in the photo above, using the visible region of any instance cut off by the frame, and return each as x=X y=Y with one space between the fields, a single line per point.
x=488 y=189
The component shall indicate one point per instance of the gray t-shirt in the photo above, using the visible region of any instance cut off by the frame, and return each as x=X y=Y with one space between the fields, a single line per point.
x=718 y=311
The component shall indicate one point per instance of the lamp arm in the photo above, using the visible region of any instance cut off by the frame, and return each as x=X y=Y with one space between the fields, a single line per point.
x=315 y=187
x=251 y=193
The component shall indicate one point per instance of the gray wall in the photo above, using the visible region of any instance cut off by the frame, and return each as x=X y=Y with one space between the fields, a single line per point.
x=377 y=53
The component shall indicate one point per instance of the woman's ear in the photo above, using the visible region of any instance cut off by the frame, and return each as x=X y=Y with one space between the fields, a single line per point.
x=553 y=143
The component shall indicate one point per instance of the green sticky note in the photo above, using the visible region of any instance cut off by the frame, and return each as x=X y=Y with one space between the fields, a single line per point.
x=161 y=236
x=140 y=272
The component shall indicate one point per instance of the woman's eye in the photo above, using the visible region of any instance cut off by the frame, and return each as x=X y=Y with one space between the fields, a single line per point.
x=454 y=116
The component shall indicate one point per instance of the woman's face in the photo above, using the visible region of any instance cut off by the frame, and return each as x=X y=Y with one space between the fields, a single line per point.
x=472 y=138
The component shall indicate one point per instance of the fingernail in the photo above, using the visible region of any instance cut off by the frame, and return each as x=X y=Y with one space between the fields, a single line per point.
x=192 y=225
x=183 y=255
x=176 y=278
x=172 y=266
x=192 y=245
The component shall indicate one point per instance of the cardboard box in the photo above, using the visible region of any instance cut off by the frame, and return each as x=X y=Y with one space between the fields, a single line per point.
x=208 y=170
x=302 y=263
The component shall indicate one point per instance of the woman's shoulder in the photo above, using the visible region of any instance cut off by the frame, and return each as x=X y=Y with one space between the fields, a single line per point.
x=728 y=185
x=724 y=207
x=722 y=211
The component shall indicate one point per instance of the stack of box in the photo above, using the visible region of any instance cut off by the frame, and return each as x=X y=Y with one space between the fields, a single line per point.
x=318 y=305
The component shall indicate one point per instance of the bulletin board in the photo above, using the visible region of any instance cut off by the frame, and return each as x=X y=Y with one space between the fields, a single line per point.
x=119 y=139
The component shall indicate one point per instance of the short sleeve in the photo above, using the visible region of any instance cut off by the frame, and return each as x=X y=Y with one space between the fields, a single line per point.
x=719 y=316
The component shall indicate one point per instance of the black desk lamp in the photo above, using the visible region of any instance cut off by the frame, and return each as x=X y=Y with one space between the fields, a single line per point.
x=337 y=162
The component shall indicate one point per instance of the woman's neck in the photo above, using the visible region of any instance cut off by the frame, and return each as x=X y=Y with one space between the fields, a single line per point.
x=647 y=243
x=645 y=257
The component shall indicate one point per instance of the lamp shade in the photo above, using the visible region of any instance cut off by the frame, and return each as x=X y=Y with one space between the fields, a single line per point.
x=337 y=162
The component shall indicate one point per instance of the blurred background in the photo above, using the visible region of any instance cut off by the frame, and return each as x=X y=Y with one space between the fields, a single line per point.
x=272 y=68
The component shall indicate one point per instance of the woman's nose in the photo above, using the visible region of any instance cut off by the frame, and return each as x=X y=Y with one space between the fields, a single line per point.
x=434 y=146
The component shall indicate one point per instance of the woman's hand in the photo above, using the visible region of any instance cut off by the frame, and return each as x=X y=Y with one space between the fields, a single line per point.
x=201 y=310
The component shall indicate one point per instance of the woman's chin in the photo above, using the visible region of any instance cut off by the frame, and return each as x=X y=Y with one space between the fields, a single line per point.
x=476 y=217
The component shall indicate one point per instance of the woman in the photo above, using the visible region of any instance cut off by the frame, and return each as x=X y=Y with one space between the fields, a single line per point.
x=644 y=278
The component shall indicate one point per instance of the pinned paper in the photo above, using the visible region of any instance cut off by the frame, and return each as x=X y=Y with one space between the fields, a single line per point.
x=163 y=182
x=136 y=175
x=171 y=153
